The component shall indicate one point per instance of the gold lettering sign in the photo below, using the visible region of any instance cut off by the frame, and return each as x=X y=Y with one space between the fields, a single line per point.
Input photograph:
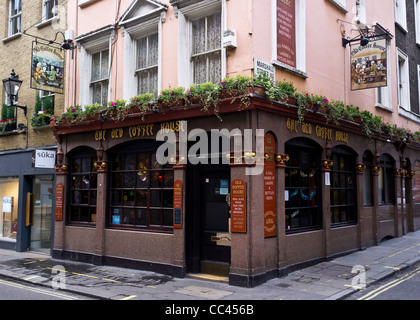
x=141 y=130
x=323 y=133
x=320 y=131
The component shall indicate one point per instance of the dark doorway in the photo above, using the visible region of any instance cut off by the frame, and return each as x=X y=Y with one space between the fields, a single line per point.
x=208 y=219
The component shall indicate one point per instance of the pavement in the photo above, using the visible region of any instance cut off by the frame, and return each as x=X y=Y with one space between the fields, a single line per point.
x=329 y=280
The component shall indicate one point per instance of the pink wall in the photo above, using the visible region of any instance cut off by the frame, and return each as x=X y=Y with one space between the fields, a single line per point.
x=327 y=62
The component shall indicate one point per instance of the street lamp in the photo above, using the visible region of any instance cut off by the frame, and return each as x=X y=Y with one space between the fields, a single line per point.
x=12 y=86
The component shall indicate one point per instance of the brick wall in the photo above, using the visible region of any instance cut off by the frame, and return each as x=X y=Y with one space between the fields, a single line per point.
x=16 y=54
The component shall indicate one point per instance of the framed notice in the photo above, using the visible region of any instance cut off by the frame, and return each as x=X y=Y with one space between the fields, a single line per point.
x=238 y=206
x=178 y=204
x=286 y=32
x=270 y=229
x=59 y=202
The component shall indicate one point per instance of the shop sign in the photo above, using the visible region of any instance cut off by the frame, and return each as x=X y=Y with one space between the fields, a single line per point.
x=47 y=68
x=286 y=32
x=59 y=202
x=269 y=187
x=45 y=159
x=178 y=204
x=417 y=182
x=368 y=65
x=139 y=131
x=238 y=206
x=321 y=132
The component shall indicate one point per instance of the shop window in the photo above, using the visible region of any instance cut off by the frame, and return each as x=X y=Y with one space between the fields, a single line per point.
x=303 y=186
x=367 y=179
x=386 y=180
x=83 y=187
x=343 y=187
x=141 y=192
x=9 y=191
x=15 y=17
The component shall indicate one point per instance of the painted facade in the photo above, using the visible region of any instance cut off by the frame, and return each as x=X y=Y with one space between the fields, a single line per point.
x=337 y=188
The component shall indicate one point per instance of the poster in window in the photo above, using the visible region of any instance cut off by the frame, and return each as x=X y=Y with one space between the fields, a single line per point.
x=286 y=32
x=47 y=68
x=368 y=65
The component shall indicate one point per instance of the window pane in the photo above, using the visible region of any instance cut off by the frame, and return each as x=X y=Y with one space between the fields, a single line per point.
x=168 y=218
x=214 y=32
x=96 y=70
x=141 y=217
x=155 y=198
x=156 y=217
x=199 y=36
x=141 y=198
x=104 y=64
x=215 y=67
x=129 y=216
x=200 y=69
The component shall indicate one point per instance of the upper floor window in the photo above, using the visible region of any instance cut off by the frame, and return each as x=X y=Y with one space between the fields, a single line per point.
x=200 y=51
x=400 y=13
x=206 y=49
x=99 y=77
x=403 y=80
x=15 y=16
x=49 y=9
x=147 y=64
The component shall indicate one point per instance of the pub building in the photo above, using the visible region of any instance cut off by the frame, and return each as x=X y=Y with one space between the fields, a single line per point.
x=325 y=190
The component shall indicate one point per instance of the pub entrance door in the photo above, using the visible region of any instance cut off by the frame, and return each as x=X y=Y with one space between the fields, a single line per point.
x=208 y=220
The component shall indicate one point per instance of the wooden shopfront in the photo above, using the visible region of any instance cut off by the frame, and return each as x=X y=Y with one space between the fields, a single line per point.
x=325 y=190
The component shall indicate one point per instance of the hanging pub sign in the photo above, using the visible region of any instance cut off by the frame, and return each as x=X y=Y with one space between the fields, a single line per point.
x=368 y=65
x=47 y=68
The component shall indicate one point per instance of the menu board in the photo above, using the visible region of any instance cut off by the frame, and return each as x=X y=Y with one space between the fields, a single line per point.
x=238 y=206
x=59 y=194
x=178 y=204
x=269 y=187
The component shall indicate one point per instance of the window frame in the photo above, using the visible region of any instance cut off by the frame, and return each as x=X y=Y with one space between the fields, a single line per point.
x=368 y=161
x=12 y=16
x=299 y=146
x=387 y=172
x=341 y=152
x=400 y=9
x=149 y=67
x=83 y=153
x=403 y=80
x=45 y=12
x=148 y=227
x=102 y=81
x=185 y=15
x=207 y=52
